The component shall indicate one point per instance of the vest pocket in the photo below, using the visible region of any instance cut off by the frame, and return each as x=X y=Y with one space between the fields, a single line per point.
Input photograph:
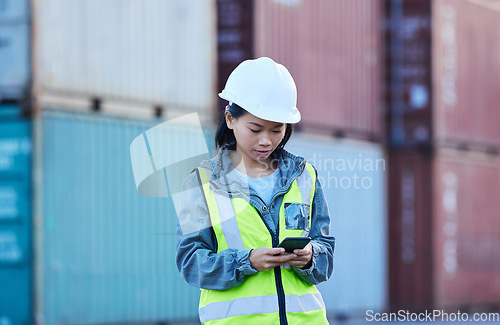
x=297 y=216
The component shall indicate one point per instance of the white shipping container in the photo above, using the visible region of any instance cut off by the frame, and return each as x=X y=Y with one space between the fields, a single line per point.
x=352 y=175
x=156 y=52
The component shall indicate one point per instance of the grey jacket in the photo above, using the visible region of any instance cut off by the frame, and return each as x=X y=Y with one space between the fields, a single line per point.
x=197 y=260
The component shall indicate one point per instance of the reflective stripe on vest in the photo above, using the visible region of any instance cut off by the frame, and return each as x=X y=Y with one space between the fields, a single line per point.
x=223 y=218
x=228 y=222
x=260 y=305
x=305 y=184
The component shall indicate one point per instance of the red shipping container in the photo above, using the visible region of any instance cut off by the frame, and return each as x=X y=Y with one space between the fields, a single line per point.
x=408 y=73
x=234 y=40
x=410 y=234
x=466 y=230
x=444 y=230
x=332 y=49
x=466 y=72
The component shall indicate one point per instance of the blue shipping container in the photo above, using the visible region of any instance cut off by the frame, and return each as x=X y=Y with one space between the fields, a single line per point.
x=352 y=174
x=108 y=252
x=14 y=59
x=15 y=220
x=14 y=10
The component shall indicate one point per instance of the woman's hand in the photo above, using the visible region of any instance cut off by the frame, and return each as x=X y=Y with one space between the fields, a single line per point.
x=265 y=258
x=304 y=257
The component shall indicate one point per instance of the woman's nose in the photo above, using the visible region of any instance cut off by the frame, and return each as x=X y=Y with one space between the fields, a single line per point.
x=265 y=140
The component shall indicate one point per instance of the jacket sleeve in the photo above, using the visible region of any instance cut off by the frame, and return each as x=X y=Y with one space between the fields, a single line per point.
x=322 y=243
x=196 y=257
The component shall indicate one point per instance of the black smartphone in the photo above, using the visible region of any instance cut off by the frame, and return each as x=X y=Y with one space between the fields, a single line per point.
x=291 y=243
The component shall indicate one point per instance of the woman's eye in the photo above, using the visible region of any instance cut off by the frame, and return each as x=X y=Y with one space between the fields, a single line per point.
x=277 y=131
x=254 y=131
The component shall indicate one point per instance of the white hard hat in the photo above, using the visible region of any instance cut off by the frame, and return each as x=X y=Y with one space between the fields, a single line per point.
x=265 y=89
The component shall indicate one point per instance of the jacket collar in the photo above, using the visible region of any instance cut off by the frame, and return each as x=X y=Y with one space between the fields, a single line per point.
x=221 y=181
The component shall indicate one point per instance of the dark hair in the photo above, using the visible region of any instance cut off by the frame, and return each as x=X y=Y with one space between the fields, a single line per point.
x=225 y=136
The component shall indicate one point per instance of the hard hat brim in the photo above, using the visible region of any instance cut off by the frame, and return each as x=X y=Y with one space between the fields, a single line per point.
x=266 y=113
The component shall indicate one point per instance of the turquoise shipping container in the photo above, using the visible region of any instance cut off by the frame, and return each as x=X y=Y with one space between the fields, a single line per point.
x=106 y=254
x=15 y=218
x=352 y=174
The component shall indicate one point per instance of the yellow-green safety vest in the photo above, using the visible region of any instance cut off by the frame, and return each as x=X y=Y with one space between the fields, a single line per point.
x=277 y=296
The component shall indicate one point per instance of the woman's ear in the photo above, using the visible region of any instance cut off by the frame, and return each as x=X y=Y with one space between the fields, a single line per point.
x=229 y=120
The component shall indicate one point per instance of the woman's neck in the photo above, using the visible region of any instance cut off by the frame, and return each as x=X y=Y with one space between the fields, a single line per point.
x=252 y=168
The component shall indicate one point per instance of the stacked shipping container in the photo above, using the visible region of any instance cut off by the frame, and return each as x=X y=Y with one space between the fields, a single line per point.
x=442 y=213
x=158 y=58
x=120 y=61
x=15 y=217
x=15 y=166
x=443 y=230
x=235 y=30
x=108 y=253
x=155 y=54
x=104 y=253
x=466 y=74
x=14 y=48
x=332 y=48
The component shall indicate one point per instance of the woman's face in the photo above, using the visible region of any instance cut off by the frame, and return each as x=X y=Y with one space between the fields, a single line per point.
x=256 y=138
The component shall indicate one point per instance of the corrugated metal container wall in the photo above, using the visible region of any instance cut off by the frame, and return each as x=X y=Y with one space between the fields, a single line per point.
x=15 y=218
x=410 y=229
x=234 y=39
x=444 y=230
x=352 y=174
x=154 y=52
x=466 y=73
x=466 y=230
x=408 y=73
x=332 y=49
x=102 y=240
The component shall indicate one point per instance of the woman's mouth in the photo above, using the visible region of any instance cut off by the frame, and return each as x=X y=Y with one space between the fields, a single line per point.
x=263 y=153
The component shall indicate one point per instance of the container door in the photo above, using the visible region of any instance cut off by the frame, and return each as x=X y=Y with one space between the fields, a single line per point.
x=15 y=223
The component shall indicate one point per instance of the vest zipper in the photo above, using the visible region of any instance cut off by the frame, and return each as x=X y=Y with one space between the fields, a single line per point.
x=277 y=275
x=279 y=286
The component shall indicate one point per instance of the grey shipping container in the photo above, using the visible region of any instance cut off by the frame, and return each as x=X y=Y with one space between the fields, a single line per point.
x=155 y=53
x=105 y=254
x=352 y=174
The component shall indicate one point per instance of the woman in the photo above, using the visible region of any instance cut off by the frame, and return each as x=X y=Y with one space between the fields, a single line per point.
x=246 y=200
